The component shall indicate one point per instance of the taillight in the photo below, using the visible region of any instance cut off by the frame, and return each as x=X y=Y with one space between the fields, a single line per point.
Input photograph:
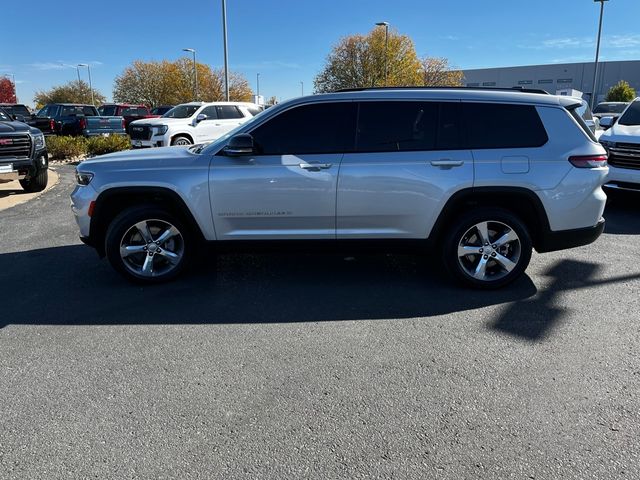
x=123 y=124
x=588 y=161
x=83 y=123
x=52 y=125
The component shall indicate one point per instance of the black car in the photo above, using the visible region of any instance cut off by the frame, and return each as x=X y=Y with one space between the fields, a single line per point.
x=23 y=152
x=19 y=112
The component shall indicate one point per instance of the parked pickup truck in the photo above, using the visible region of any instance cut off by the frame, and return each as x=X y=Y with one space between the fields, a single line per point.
x=75 y=119
x=23 y=154
x=19 y=112
x=127 y=111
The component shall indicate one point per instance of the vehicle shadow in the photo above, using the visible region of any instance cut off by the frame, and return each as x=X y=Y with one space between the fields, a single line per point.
x=69 y=285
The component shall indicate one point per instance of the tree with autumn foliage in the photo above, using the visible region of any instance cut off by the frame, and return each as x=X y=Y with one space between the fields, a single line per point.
x=171 y=83
x=358 y=61
x=7 y=91
x=76 y=91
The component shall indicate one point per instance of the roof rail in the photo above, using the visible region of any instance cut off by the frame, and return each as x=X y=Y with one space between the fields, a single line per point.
x=498 y=89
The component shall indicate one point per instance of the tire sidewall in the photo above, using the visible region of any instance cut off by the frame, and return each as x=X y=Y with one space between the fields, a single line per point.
x=463 y=224
x=124 y=221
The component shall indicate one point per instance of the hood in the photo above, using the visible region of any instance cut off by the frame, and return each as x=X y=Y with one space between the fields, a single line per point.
x=146 y=158
x=161 y=121
x=622 y=133
x=15 y=127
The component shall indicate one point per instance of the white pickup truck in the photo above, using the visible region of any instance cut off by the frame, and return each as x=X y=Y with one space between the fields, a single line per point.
x=190 y=123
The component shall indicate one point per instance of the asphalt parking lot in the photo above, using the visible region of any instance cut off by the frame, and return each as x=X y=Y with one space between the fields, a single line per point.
x=295 y=366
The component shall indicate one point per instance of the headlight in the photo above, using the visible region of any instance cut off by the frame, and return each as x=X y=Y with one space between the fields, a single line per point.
x=38 y=141
x=161 y=129
x=83 y=178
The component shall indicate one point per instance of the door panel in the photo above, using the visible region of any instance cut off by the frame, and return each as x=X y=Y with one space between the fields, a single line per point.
x=397 y=194
x=274 y=196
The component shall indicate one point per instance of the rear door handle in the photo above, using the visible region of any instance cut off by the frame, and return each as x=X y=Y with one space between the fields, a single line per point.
x=444 y=163
x=315 y=166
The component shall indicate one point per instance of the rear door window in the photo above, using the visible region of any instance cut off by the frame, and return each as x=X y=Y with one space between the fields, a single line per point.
x=229 y=111
x=495 y=125
x=308 y=129
x=396 y=126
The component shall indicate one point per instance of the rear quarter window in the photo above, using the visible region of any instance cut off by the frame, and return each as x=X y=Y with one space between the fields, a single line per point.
x=495 y=125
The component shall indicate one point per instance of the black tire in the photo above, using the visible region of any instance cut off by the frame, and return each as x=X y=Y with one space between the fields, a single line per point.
x=497 y=276
x=156 y=217
x=37 y=183
x=181 y=140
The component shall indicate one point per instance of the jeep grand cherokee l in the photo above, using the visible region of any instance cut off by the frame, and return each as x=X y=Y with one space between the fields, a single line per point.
x=398 y=167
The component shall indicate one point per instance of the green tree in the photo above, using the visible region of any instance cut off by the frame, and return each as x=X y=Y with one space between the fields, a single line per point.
x=621 y=92
x=171 y=83
x=71 y=92
x=359 y=61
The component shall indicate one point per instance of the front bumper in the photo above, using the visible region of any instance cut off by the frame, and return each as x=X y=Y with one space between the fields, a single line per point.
x=154 y=141
x=623 y=178
x=562 y=239
x=23 y=167
x=81 y=199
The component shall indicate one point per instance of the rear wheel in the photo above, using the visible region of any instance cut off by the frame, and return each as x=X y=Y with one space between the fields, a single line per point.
x=487 y=249
x=181 y=140
x=36 y=183
x=148 y=244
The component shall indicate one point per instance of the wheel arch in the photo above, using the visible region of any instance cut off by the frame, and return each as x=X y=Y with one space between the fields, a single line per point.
x=181 y=134
x=520 y=201
x=111 y=202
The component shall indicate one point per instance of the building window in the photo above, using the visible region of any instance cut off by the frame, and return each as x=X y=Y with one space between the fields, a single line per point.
x=565 y=80
x=545 y=81
x=488 y=84
x=525 y=82
x=473 y=84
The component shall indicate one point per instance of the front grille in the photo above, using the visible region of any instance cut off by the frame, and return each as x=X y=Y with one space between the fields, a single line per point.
x=18 y=146
x=140 y=132
x=625 y=155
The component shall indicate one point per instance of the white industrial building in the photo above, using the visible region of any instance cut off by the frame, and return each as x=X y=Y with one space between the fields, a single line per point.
x=558 y=76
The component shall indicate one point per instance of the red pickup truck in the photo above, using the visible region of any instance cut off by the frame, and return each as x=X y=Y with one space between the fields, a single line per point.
x=127 y=111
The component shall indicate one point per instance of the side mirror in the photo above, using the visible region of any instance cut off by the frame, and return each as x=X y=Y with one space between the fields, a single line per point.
x=238 y=145
x=607 y=122
x=200 y=117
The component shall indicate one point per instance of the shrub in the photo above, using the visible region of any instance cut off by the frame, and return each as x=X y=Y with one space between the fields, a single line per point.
x=621 y=92
x=109 y=144
x=61 y=148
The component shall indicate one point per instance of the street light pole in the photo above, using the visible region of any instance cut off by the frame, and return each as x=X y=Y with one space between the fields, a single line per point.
x=226 y=55
x=302 y=88
x=90 y=84
x=595 y=65
x=386 y=49
x=15 y=89
x=195 y=73
x=257 y=84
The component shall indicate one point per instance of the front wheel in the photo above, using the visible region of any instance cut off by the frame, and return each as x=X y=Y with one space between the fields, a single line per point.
x=148 y=244
x=181 y=140
x=36 y=183
x=487 y=249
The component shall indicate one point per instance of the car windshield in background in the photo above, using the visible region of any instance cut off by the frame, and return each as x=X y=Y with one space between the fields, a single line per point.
x=610 y=108
x=631 y=116
x=4 y=117
x=109 y=111
x=17 y=110
x=181 y=111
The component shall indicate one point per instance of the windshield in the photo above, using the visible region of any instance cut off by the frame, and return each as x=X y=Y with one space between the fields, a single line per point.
x=631 y=116
x=108 y=111
x=17 y=110
x=214 y=146
x=610 y=108
x=181 y=111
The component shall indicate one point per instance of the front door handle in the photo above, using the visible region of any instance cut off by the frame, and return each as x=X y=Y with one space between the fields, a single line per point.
x=445 y=163
x=315 y=166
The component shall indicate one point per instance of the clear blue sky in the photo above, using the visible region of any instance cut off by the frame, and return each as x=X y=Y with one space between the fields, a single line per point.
x=287 y=40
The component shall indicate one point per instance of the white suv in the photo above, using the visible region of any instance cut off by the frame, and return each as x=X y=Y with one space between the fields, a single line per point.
x=622 y=142
x=396 y=168
x=191 y=123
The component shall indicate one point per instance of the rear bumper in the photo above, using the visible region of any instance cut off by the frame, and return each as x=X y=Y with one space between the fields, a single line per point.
x=99 y=133
x=560 y=240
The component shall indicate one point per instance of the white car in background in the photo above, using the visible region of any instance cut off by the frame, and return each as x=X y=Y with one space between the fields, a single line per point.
x=191 y=123
x=622 y=141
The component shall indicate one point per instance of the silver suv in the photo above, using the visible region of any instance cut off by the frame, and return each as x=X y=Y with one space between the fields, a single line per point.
x=477 y=177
